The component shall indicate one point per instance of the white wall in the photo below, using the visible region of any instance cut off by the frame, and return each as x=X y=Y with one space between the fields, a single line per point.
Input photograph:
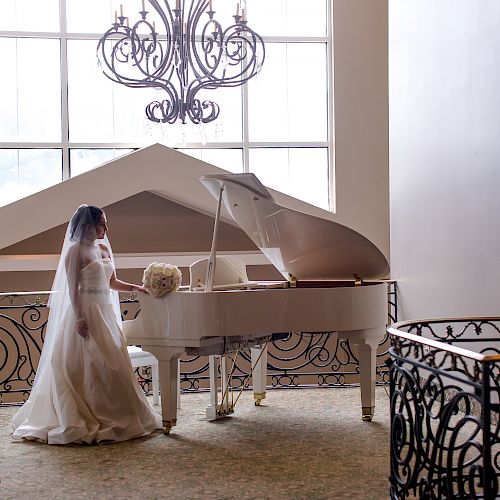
x=444 y=87
x=361 y=117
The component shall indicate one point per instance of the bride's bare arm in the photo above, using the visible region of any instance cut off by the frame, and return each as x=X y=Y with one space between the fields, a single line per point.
x=123 y=286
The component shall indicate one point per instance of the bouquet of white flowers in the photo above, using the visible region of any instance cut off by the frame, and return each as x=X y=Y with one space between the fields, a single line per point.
x=160 y=278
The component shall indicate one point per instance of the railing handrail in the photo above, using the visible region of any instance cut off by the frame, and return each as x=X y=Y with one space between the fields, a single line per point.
x=10 y=294
x=460 y=351
x=132 y=295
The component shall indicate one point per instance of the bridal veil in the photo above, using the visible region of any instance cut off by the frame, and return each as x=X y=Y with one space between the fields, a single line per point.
x=85 y=390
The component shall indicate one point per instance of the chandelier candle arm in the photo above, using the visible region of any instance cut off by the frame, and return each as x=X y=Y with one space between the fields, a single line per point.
x=188 y=52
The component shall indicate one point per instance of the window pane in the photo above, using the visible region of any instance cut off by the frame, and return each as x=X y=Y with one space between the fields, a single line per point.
x=30 y=106
x=275 y=18
x=120 y=109
x=96 y=16
x=89 y=16
x=90 y=97
x=82 y=160
x=294 y=110
x=288 y=17
x=29 y=15
x=26 y=171
x=298 y=172
x=228 y=159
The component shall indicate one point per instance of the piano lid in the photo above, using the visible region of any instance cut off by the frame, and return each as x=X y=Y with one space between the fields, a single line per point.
x=298 y=244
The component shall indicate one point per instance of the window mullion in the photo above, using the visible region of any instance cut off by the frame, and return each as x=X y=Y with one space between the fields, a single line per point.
x=331 y=102
x=17 y=88
x=66 y=173
x=245 y=127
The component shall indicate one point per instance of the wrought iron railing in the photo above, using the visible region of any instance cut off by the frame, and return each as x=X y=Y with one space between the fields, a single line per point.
x=300 y=360
x=445 y=390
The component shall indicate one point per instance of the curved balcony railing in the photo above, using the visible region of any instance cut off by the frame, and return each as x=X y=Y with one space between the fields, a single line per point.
x=301 y=360
x=445 y=389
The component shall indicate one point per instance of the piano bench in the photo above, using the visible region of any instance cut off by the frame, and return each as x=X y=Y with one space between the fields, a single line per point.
x=139 y=358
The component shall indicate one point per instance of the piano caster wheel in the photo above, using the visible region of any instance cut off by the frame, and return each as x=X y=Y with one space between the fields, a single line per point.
x=258 y=397
x=368 y=413
x=167 y=426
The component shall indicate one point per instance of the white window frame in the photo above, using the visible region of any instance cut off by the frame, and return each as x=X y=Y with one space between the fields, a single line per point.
x=245 y=144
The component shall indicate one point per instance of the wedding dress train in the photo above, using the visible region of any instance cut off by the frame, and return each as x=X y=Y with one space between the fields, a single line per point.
x=88 y=392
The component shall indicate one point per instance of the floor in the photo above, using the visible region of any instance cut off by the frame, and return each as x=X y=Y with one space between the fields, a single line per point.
x=300 y=444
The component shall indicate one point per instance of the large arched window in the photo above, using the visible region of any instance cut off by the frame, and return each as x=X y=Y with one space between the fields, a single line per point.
x=61 y=116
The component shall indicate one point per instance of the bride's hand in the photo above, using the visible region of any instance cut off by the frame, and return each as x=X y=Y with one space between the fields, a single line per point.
x=82 y=328
x=139 y=288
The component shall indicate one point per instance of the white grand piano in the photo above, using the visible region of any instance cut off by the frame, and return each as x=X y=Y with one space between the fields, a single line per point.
x=329 y=285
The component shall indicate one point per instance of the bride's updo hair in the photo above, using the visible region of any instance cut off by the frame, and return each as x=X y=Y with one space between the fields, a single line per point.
x=86 y=216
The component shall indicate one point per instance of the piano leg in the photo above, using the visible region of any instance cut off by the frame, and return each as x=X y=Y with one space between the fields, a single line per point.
x=178 y=384
x=155 y=376
x=259 y=373
x=211 y=410
x=367 y=342
x=168 y=384
x=168 y=366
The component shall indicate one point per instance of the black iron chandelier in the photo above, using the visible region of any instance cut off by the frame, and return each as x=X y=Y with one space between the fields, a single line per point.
x=191 y=52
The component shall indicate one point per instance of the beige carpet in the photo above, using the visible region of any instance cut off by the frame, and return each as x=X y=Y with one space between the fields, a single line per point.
x=301 y=444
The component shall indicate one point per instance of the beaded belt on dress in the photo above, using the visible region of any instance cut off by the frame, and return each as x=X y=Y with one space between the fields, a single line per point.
x=95 y=290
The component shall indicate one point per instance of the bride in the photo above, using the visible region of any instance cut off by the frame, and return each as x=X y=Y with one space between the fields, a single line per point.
x=85 y=390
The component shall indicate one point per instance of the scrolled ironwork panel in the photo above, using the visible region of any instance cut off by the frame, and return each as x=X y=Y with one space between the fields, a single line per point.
x=21 y=339
x=301 y=360
x=444 y=411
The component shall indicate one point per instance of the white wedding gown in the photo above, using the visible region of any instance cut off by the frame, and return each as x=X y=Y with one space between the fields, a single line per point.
x=88 y=393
